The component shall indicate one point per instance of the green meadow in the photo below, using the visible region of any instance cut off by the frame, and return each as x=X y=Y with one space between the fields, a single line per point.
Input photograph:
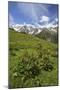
x=33 y=62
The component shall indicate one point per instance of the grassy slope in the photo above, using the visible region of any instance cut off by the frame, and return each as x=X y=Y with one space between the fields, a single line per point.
x=18 y=44
x=49 y=36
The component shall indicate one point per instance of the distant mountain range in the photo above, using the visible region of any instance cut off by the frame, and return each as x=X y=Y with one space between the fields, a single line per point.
x=31 y=29
x=49 y=34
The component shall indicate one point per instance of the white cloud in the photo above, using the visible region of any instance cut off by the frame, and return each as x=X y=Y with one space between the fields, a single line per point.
x=45 y=22
x=11 y=20
x=48 y=24
x=56 y=19
x=44 y=19
x=51 y=24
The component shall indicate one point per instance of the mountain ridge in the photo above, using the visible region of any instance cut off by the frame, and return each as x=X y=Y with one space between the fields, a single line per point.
x=31 y=29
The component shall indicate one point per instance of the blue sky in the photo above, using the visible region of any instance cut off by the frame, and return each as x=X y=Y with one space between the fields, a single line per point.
x=32 y=13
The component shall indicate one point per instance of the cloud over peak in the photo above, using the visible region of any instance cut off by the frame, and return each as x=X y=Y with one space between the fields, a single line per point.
x=44 y=19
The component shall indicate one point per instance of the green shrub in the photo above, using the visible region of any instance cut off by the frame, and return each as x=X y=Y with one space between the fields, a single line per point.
x=27 y=67
x=13 y=53
x=45 y=58
x=48 y=67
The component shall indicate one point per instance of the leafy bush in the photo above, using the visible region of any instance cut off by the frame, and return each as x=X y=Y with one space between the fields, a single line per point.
x=45 y=59
x=31 y=66
x=27 y=66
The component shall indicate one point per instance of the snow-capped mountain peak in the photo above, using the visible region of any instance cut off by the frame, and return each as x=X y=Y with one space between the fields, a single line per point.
x=32 y=29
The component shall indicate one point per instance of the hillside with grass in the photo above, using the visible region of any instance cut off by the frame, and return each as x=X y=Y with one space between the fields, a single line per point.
x=48 y=35
x=33 y=62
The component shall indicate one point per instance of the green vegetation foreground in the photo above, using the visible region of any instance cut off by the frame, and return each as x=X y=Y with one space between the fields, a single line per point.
x=33 y=62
